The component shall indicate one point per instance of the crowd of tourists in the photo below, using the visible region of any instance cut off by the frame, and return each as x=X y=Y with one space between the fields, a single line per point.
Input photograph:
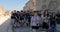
x=35 y=21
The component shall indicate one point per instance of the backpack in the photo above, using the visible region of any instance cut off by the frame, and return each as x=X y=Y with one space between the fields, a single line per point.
x=45 y=24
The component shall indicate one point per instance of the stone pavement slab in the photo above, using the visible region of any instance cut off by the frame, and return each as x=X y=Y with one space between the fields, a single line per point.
x=24 y=29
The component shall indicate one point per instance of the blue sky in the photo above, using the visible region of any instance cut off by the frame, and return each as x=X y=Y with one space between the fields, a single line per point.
x=13 y=4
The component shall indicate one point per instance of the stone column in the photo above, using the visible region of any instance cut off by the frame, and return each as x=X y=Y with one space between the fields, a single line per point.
x=34 y=4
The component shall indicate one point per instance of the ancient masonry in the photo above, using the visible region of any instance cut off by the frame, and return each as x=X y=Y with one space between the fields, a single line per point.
x=4 y=12
x=52 y=5
x=1 y=10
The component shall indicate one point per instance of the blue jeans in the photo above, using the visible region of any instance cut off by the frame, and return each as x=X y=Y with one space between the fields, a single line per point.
x=53 y=28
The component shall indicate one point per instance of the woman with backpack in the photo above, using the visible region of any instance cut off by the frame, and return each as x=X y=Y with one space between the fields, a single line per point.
x=45 y=23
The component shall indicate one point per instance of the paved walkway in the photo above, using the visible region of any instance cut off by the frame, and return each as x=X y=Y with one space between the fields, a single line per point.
x=5 y=26
x=27 y=29
x=24 y=29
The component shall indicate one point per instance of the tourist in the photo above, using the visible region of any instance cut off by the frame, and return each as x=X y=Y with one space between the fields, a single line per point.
x=35 y=21
x=28 y=17
x=52 y=23
x=13 y=17
x=45 y=23
x=21 y=18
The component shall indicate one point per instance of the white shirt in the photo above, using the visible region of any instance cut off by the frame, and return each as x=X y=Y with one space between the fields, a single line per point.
x=35 y=20
x=45 y=19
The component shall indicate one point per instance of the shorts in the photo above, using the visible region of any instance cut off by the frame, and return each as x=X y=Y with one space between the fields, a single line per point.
x=45 y=26
x=35 y=27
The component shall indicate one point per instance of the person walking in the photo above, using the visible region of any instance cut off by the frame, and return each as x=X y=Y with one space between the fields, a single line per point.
x=45 y=22
x=52 y=23
x=35 y=21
